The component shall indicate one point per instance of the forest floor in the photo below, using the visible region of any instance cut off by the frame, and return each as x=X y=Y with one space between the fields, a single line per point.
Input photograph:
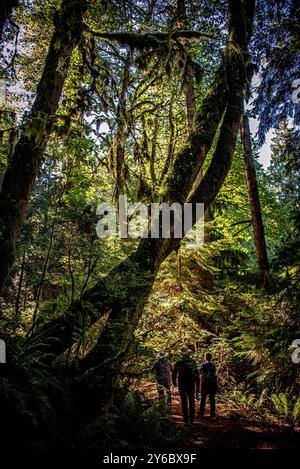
x=232 y=428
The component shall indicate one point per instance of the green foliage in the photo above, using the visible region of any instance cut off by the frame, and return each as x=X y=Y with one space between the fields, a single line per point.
x=287 y=408
x=244 y=402
x=136 y=424
x=122 y=115
x=27 y=387
x=285 y=172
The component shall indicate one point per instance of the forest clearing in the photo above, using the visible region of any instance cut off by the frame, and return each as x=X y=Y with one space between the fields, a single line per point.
x=150 y=224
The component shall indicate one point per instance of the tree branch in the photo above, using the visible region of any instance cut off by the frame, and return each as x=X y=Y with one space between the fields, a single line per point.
x=149 y=40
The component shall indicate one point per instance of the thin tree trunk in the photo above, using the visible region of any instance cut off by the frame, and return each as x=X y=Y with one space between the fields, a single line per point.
x=42 y=279
x=171 y=146
x=120 y=136
x=73 y=285
x=153 y=153
x=190 y=96
x=20 y=284
x=182 y=23
x=25 y=160
x=91 y=266
x=256 y=215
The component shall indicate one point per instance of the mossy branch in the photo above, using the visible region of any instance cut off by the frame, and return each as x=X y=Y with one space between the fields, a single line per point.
x=150 y=40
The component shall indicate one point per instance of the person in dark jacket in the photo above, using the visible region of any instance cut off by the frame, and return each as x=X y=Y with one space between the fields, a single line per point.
x=162 y=369
x=208 y=385
x=186 y=373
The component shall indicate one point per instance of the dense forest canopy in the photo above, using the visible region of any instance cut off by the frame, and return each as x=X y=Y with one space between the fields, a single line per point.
x=150 y=100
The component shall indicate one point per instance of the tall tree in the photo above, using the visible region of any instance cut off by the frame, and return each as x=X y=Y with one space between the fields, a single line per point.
x=25 y=160
x=257 y=221
x=117 y=295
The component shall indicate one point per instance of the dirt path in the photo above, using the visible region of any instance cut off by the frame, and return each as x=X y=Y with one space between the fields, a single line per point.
x=229 y=430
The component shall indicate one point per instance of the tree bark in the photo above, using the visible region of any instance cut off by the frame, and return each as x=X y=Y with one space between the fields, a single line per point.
x=20 y=285
x=182 y=23
x=121 y=132
x=25 y=160
x=256 y=215
x=171 y=147
x=190 y=96
x=43 y=276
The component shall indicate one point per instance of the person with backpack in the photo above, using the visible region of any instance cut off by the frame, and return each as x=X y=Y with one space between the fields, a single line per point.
x=162 y=369
x=208 y=385
x=186 y=373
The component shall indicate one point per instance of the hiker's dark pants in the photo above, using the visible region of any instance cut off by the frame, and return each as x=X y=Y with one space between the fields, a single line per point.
x=188 y=405
x=211 y=392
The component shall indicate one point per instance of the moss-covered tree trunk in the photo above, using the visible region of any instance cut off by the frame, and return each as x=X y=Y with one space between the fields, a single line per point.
x=25 y=160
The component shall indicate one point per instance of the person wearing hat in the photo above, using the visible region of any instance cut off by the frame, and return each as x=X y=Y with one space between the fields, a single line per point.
x=187 y=375
x=162 y=368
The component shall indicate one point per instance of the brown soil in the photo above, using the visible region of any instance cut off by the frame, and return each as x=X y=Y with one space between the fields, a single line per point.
x=230 y=429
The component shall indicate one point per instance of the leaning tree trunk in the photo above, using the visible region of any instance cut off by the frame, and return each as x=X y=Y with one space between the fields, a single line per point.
x=25 y=160
x=256 y=215
x=124 y=292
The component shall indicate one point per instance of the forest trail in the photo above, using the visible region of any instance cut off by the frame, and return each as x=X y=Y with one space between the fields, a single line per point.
x=229 y=429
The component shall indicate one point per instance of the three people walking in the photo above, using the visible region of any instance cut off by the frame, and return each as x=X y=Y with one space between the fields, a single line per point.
x=190 y=380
